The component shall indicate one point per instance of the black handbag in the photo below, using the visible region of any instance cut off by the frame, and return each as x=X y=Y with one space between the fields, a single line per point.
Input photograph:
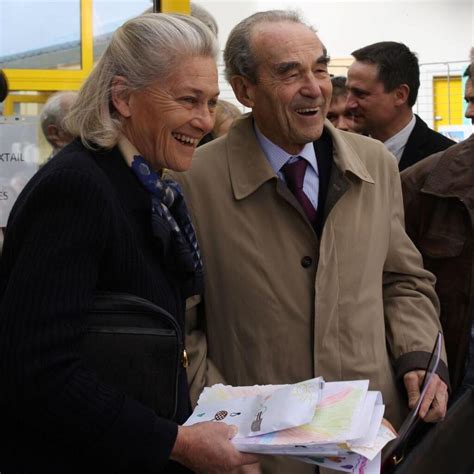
x=137 y=347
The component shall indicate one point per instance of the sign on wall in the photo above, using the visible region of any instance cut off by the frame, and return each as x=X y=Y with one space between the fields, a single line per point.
x=19 y=158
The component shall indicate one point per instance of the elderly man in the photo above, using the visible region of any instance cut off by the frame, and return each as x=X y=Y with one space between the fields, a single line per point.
x=308 y=268
x=383 y=85
x=439 y=211
x=52 y=116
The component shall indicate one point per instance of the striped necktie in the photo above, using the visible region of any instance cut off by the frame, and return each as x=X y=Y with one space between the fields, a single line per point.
x=294 y=176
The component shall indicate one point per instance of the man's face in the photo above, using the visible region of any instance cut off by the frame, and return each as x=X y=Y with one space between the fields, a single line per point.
x=372 y=108
x=293 y=90
x=339 y=115
x=469 y=98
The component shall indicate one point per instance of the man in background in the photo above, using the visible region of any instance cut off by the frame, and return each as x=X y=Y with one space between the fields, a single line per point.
x=439 y=212
x=338 y=113
x=383 y=85
x=56 y=108
x=309 y=270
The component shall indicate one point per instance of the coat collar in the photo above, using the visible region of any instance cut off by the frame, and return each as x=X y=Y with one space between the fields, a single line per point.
x=453 y=174
x=251 y=169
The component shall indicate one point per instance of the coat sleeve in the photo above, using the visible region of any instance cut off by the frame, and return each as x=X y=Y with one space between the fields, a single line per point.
x=201 y=371
x=411 y=306
x=54 y=249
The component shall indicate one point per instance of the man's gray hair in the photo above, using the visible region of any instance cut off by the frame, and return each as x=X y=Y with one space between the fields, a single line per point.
x=55 y=110
x=238 y=55
x=143 y=50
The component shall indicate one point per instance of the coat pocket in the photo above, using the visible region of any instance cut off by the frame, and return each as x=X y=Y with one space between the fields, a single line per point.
x=437 y=245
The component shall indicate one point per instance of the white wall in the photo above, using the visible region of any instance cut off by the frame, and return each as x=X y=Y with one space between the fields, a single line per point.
x=438 y=30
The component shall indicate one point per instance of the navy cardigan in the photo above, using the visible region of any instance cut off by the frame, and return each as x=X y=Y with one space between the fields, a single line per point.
x=81 y=224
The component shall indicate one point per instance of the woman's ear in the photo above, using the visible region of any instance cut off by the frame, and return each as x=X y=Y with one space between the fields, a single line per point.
x=121 y=96
x=243 y=90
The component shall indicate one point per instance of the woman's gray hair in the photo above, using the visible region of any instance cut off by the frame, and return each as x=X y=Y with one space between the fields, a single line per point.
x=143 y=50
x=238 y=55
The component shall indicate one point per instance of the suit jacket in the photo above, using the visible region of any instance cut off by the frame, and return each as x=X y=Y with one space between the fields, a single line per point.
x=282 y=305
x=422 y=142
x=81 y=224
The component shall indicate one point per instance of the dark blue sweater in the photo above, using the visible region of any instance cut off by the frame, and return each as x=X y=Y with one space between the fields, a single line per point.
x=81 y=224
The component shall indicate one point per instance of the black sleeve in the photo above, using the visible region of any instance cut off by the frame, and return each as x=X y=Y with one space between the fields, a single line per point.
x=54 y=245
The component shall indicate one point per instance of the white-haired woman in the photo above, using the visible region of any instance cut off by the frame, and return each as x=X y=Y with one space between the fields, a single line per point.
x=99 y=217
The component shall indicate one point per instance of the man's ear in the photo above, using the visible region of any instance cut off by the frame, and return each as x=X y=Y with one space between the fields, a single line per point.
x=401 y=94
x=244 y=90
x=52 y=134
x=121 y=96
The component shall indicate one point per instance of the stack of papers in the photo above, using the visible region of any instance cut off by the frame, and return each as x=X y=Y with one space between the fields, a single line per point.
x=333 y=424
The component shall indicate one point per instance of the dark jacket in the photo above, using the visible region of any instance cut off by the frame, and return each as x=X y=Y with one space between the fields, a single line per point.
x=439 y=213
x=422 y=142
x=81 y=224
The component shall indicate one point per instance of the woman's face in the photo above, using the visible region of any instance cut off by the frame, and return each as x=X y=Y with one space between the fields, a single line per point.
x=166 y=120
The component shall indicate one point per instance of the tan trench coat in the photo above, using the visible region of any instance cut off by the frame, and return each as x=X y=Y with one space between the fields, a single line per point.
x=279 y=307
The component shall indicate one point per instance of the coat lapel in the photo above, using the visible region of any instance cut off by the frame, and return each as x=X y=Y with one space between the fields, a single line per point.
x=251 y=169
x=415 y=144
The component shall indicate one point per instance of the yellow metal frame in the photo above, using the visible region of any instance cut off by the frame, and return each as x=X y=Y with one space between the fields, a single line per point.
x=58 y=79
x=176 y=6
x=9 y=104
x=63 y=79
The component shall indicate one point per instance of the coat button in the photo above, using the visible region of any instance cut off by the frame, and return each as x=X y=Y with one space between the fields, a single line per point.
x=306 y=262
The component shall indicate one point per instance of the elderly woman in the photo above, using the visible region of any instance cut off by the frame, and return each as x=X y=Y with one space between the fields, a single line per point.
x=99 y=217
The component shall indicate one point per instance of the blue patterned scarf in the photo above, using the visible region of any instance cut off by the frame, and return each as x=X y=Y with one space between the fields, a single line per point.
x=172 y=225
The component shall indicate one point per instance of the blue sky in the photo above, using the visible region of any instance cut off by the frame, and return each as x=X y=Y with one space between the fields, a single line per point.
x=33 y=24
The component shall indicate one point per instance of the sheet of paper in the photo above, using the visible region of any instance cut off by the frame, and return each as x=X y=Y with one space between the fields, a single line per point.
x=375 y=421
x=384 y=435
x=347 y=463
x=363 y=422
x=285 y=407
x=333 y=422
x=345 y=432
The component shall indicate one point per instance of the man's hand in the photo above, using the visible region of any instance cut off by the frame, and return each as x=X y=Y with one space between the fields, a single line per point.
x=433 y=407
x=206 y=448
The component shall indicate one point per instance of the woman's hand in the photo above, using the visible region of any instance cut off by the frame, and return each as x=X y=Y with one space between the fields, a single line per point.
x=206 y=448
x=248 y=469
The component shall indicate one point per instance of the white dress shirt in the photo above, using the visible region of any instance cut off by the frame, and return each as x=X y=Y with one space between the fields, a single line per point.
x=396 y=144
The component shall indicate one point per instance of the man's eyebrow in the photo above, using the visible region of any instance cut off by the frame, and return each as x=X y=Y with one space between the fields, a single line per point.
x=282 y=68
x=323 y=59
x=357 y=90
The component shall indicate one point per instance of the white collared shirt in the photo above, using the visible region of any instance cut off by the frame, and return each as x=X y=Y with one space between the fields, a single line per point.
x=396 y=144
x=277 y=158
